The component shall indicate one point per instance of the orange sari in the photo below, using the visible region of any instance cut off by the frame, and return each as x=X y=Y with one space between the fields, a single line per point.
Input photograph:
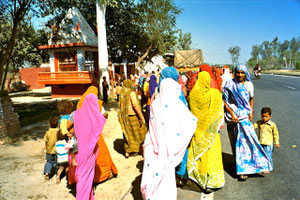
x=105 y=167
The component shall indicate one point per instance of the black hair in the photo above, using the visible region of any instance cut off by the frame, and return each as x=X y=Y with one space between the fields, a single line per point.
x=53 y=122
x=266 y=110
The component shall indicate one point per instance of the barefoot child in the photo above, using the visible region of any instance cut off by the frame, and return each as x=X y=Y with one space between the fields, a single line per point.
x=65 y=108
x=50 y=139
x=62 y=155
x=268 y=133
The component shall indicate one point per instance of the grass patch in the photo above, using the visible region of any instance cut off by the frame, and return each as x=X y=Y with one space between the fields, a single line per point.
x=33 y=115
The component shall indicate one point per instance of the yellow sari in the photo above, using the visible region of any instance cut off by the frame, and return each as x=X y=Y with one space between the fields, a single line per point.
x=204 y=163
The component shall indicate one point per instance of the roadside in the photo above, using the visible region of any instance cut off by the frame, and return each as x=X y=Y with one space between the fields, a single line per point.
x=286 y=72
x=21 y=164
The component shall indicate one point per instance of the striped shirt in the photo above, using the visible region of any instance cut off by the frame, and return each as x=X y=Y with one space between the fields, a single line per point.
x=62 y=153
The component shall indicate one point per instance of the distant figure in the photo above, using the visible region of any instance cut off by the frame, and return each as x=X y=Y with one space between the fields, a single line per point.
x=268 y=133
x=50 y=139
x=118 y=90
x=104 y=89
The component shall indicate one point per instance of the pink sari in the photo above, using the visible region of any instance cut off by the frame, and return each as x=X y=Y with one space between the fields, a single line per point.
x=88 y=124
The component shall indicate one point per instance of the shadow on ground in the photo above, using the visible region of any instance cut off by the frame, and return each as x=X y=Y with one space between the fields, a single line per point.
x=135 y=191
x=119 y=146
x=229 y=164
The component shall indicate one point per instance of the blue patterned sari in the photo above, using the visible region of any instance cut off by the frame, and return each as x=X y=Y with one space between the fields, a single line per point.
x=249 y=154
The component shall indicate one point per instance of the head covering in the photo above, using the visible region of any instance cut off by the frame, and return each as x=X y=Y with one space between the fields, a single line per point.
x=168 y=72
x=226 y=76
x=152 y=85
x=191 y=80
x=214 y=75
x=171 y=72
x=171 y=127
x=245 y=70
x=90 y=90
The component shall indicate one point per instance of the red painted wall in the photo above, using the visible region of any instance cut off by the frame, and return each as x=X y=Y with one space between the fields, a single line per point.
x=30 y=76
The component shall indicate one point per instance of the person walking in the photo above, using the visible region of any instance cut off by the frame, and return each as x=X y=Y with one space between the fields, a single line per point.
x=172 y=126
x=105 y=89
x=88 y=125
x=238 y=101
x=205 y=165
x=131 y=119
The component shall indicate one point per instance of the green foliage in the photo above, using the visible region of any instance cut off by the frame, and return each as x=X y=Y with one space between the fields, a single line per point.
x=184 y=41
x=275 y=55
x=234 y=53
x=158 y=20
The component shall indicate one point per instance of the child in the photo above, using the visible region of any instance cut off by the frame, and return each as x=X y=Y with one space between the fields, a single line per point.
x=50 y=139
x=118 y=90
x=62 y=155
x=65 y=108
x=268 y=133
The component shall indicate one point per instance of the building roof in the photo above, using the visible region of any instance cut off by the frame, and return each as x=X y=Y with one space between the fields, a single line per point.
x=74 y=29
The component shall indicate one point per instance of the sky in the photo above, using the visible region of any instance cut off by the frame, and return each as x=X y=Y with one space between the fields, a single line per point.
x=217 y=25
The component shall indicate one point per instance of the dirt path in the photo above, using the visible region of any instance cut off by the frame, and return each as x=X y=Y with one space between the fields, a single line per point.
x=22 y=163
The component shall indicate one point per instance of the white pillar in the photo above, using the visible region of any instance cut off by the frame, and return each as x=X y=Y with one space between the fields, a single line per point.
x=125 y=70
x=52 y=65
x=81 y=60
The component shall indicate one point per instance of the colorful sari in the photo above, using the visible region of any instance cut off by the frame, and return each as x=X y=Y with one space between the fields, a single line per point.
x=105 y=166
x=204 y=164
x=88 y=125
x=152 y=84
x=134 y=135
x=171 y=127
x=249 y=154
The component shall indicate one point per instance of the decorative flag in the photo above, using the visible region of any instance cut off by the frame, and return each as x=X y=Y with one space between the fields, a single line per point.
x=77 y=27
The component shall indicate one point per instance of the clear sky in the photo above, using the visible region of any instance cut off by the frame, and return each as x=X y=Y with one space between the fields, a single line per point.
x=217 y=25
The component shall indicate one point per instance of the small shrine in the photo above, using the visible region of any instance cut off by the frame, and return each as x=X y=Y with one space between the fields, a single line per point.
x=73 y=49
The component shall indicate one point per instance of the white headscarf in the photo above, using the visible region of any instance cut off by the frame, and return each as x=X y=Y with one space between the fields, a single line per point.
x=226 y=76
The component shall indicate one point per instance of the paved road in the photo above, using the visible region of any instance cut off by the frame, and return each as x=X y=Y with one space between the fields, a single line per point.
x=282 y=94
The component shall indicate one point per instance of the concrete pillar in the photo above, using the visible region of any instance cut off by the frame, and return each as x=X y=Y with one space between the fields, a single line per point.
x=81 y=60
x=52 y=65
x=125 y=69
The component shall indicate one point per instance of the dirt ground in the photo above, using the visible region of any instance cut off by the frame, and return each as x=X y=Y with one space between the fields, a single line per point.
x=22 y=163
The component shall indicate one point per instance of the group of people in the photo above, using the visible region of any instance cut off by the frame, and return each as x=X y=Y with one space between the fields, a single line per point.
x=86 y=159
x=174 y=120
x=184 y=115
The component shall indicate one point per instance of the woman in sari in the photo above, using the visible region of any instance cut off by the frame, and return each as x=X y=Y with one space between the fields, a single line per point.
x=105 y=168
x=216 y=80
x=152 y=85
x=171 y=127
x=204 y=164
x=238 y=100
x=131 y=119
x=88 y=125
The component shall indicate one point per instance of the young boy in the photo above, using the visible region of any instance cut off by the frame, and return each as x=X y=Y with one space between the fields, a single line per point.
x=65 y=108
x=62 y=155
x=268 y=133
x=50 y=139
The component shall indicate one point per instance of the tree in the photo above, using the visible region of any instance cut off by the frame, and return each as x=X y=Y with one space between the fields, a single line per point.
x=184 y=41
x=255 y=52
x=294 y=47
x=158 y=20
x=12 y=12
x=234 y=53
